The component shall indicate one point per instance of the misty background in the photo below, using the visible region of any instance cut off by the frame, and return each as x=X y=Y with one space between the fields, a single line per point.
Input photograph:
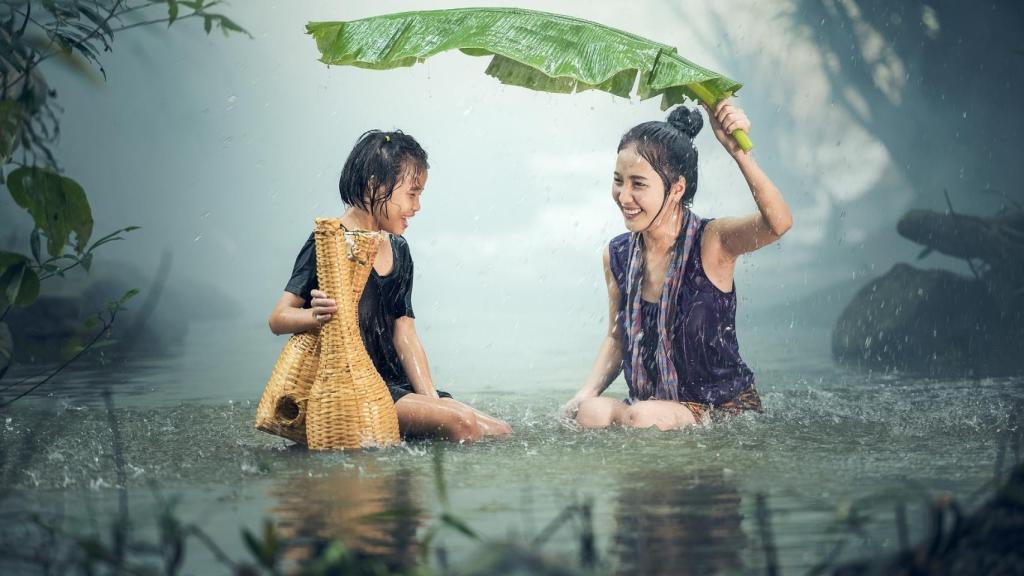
x=230 y=147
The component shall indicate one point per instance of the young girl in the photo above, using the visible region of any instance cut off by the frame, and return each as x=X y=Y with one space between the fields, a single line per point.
x=381 y=184
x=671 y=297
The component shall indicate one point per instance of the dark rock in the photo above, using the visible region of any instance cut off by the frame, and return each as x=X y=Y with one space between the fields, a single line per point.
x=928 y=321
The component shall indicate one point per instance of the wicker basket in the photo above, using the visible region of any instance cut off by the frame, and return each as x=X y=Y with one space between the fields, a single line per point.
x=324 y=390
x=349 y=404
x=282 y=409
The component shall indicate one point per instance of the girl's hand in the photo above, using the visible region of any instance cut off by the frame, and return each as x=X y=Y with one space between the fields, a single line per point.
x=726 y=119
x=322 y=306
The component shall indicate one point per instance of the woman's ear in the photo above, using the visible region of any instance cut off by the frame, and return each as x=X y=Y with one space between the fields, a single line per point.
x=675 y=194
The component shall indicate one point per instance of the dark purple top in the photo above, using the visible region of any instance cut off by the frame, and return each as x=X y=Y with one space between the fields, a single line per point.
x=704 y=346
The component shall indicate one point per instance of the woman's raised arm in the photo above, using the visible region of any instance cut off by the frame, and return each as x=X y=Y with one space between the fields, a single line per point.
x=738 y=236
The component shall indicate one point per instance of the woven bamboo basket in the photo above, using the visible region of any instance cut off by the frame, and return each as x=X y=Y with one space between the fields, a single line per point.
x=349 y=405
x=282 y=409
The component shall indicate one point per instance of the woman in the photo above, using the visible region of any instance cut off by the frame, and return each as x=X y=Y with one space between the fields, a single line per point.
x=381 y=184
x=671 y=297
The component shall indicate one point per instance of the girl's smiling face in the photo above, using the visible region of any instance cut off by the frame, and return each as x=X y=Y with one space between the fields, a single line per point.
x=404 y=203
x=637 y=189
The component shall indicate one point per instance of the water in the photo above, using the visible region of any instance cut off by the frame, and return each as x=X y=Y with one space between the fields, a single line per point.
x=835 y=450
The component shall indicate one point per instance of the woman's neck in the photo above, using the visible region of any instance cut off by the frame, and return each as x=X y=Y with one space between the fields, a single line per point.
x=661 y=236
x=358 y=219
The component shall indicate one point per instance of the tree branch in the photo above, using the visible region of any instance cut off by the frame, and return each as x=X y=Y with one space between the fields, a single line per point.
x=86 y=348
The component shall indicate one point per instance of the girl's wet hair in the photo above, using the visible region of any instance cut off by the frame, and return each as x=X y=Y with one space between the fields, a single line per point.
x=376 y=166
x=668 y=147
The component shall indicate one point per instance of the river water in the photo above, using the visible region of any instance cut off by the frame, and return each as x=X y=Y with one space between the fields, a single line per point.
x=829 y=460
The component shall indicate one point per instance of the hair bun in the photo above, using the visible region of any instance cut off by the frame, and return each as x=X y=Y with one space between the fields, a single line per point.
x=686 y=120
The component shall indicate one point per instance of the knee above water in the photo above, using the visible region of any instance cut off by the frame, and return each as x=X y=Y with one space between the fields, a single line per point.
x=593 y=413
x=639 y=417
x=465 y=427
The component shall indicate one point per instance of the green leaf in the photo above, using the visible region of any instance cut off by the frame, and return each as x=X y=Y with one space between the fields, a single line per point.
x=58 y=206
x=6 y=348
x=265 y=551
x=87 y=261
x=8 y=259
x=172 y=11
x=128 y=295
x=11 y=117
x=34 y=243
x=536 y=50
x=207 y=24
x=20 y=284
x=252 y=543
x=460 y=526
x=101 y=22
x=72 y=346
x=228 y=25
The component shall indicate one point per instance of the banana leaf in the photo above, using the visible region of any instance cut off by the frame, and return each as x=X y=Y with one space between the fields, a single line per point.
x=536 y=50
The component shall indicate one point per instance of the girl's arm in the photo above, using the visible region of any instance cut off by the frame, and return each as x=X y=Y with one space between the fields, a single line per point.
x=413 y=357
x=608 y=363
x=737 y=236
x=289 y=317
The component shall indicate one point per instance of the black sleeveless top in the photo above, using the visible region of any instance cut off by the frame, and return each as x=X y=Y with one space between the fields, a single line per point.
x=384 y=299
x=704 y=345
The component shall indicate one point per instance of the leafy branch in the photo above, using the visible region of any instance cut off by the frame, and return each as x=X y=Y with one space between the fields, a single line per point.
x=74 y=33
x=102 y=338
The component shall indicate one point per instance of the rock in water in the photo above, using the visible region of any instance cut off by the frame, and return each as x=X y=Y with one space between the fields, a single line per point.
x=931 y=322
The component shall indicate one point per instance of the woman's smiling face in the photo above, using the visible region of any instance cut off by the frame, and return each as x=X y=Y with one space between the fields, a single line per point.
x=637 y=189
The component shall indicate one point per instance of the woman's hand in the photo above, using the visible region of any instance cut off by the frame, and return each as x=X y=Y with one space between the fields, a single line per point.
x=726 y=119
x=323 y=307
x=569 y=410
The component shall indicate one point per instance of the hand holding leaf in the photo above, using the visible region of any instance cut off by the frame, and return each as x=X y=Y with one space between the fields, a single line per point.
x=725 y=120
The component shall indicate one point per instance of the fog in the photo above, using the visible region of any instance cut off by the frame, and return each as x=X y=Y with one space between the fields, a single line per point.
x=224 y=150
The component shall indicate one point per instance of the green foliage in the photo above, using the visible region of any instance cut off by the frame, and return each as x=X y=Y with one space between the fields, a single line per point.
x=6 y=348
x=536 y=50
x=10 y=120
x=58 y=206
x=266 y=550
x=19 y=284
x=104 y=318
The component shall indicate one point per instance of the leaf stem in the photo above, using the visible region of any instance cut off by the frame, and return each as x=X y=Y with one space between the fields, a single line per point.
x=706 y=97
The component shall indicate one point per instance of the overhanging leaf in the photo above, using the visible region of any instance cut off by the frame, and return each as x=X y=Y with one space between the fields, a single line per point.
x=11 y=116
x=172 y=11
x=536 y=50
x=460 y=526
x=58 y=206
x=6 y=348
x=8 y=259
x=19 y=285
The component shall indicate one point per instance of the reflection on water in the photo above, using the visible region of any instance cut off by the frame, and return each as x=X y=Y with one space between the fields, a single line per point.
x=679 y=524
x=375 y=511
